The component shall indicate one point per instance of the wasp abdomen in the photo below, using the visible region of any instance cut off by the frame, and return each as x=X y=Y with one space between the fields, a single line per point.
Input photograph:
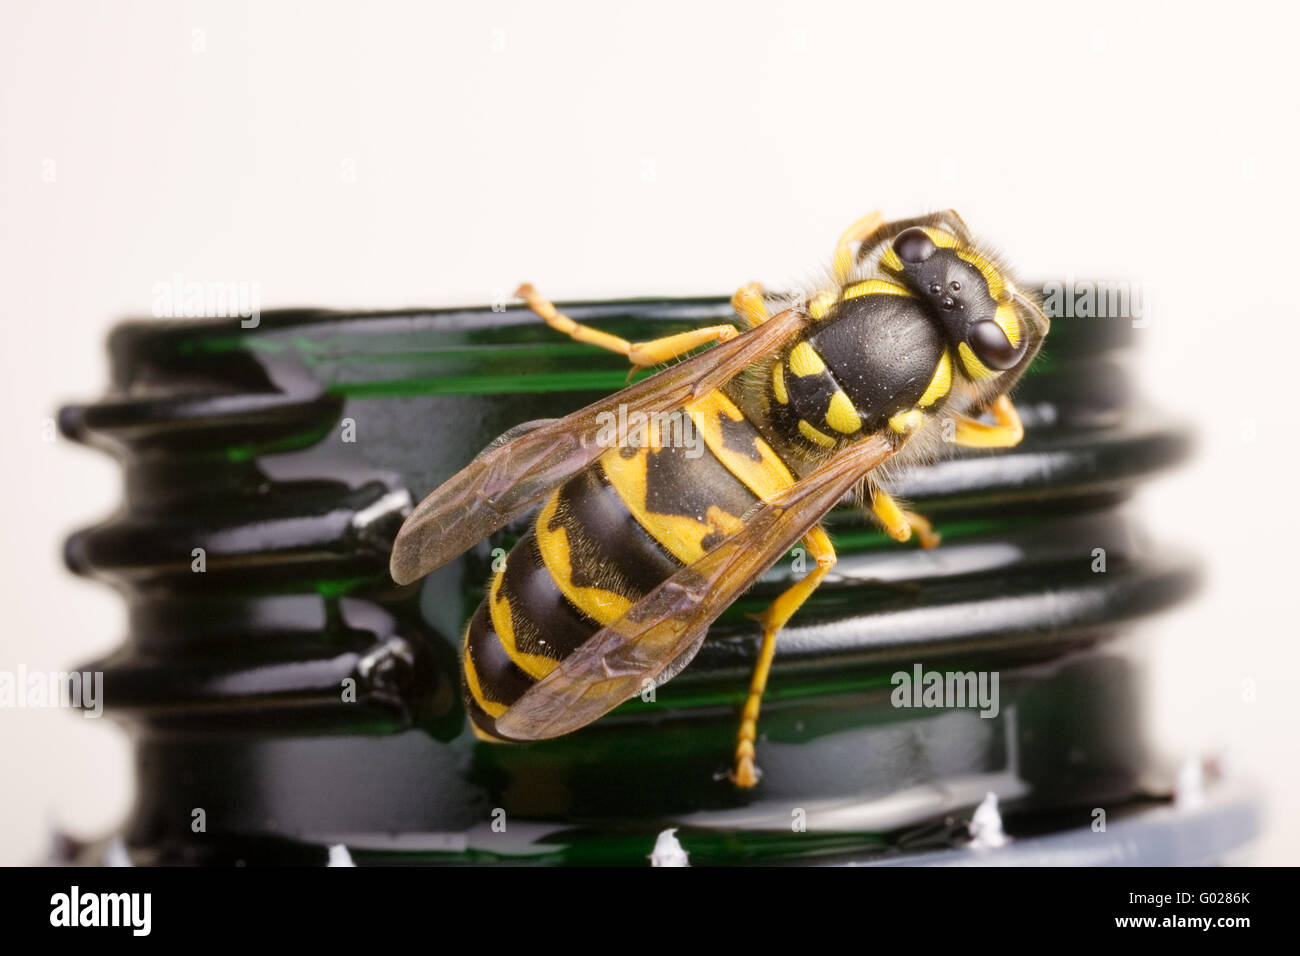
x=605 y=539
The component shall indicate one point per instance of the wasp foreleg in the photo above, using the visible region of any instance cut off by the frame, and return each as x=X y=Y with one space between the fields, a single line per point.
x=1005 y=434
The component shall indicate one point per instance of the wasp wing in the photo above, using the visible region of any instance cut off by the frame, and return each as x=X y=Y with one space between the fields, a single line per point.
x=670 y=622
x=507 y=480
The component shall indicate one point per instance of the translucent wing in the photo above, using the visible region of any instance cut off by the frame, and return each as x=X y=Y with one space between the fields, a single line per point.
x=507 y=480
x=670 y=622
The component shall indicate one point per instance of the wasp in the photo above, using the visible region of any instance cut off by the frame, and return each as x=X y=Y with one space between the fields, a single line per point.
x=909 y=345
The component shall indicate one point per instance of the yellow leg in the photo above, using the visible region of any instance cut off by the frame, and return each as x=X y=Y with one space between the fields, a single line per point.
x=640 y=354
x=860 y=231
x=749 y=305
x=901 y=525
x=774 y=618
x=1005 y=434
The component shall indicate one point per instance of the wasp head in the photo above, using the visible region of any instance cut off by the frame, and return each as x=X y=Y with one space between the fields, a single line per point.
x=994 y=327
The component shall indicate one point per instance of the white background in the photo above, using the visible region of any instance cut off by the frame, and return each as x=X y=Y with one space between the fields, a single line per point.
x=391 y=155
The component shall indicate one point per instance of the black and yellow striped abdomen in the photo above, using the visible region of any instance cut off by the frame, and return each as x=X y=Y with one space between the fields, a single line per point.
x=607 y=538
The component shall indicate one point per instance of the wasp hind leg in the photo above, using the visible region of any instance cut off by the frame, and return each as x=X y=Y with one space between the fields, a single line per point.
x=640 y=354
x=774 y=618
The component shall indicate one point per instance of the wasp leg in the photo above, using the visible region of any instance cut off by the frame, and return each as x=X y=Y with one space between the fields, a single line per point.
x=1005 y=434
x=640 y=354
x=871 y=240
x=950 y=219
x=749 y=304
x=860 y=231
x=901 y=525
x=774 y=618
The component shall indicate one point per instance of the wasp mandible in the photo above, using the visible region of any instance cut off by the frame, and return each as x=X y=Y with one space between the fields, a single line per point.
x=916 y=336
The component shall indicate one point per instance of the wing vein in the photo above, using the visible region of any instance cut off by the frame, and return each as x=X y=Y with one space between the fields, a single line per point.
x=507 y=480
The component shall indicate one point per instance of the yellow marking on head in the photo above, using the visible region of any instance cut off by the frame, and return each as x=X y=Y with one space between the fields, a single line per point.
x=821 y=304
x=535 y=666
x=875 y=287
x=841 y=415
x=805 y=361
x=490 y=707
x=1009 y=323
x=813 y=435
x=778 y=383
x=940 y=382
x=682 y=535
x=766 y=477
x=997 y=287
x=974 y=367
x=907 y=422
x=601 y=605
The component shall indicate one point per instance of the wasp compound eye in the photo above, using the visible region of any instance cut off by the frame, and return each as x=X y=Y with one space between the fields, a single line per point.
x=913 y=246
x=992 y=347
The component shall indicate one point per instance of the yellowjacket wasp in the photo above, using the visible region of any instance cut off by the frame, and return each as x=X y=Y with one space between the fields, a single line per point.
x=640 y=544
